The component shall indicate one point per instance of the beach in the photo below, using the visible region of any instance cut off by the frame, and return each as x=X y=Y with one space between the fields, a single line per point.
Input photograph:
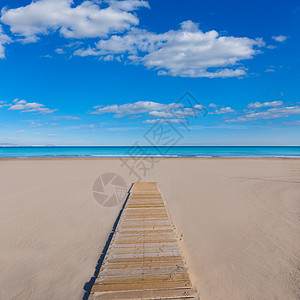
x=237 y=221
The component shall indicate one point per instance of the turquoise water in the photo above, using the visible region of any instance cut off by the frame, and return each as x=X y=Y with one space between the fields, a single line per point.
x=175 y=151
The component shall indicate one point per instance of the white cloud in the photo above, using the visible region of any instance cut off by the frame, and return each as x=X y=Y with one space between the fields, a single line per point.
x=24 y=106
x=4 y=39
x=82 y=126
x=179 y=112
x=139 y=107
x=279 y=38
x=35 y=124
x=265 y=104
x=223 y=110
x=127 y=5
x=60 y=51
x=271 y=113
x=297 y=123
x=152 y=109
x=212 y=105
x=66 y=118
x=87 y=20
x=153 y=121
x=187 y=52
x=269 y=70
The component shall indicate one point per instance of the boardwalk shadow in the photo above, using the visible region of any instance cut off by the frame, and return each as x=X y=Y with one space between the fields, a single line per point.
x=88 y=285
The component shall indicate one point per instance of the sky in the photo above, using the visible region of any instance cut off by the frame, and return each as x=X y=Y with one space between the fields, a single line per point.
x=103 y=72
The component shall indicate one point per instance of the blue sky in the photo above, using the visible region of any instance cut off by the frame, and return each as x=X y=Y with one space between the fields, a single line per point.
x=103 y=72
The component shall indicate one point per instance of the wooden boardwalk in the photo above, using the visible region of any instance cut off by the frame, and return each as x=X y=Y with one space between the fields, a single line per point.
x=143 y=260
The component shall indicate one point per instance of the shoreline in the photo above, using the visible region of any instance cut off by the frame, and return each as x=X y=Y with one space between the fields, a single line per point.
x=147 y=157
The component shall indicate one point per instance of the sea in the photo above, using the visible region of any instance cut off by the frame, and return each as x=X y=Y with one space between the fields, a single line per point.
x=144 y=151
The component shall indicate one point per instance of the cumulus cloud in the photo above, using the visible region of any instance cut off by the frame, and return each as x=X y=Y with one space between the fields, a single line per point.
x=271 y=113
x=179 y=112
x=4 y=39
x=60 y=51
x=152 y=109
x=212 y=105
x=187 y=52
x=153 y=121
x=87 y=20
x=139 y=107
x=35 y=124
x=223 y=110
x=24 y=106
x=265 y=104
x=279 y=38
x=127 y=5
x=66 y=118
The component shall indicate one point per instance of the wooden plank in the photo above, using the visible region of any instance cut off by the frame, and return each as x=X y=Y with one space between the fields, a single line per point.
x=144 y=222
x=144 y=213
x=141 y=286
x=166 y=270
x=145 y=255
x=146 y=226
x=144 y=231
x=147 y=240
x=144 y=237
x=156 y=259
x=143 y=260
x=142 y=250
x=146 y=295
x=142 y=264
x=143 y=245
x=144 y=278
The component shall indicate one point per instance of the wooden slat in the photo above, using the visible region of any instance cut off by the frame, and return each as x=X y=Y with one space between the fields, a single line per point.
x=162 y=258
x=145 y=255
x=141 y=286
x=161 y=245
x=143 y=260
x=142 y=265
x=146 y=295
x=142 y=250
x=145 y=278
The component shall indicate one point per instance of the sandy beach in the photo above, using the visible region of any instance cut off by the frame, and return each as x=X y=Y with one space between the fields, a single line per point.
x=237 y=220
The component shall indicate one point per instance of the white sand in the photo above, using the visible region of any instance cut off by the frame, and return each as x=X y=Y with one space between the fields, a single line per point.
x=239 y=222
